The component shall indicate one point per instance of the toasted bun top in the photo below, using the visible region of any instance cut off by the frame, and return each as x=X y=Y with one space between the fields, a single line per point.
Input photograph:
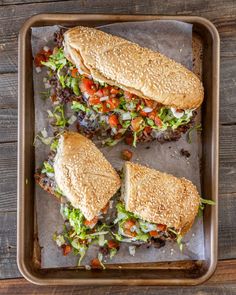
x=139 y=70
x=159 y=197
x=83 y=174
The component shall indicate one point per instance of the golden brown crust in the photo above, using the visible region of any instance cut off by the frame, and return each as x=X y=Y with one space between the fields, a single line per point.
x=159 y=197
x=119 y=62
x=84 y=175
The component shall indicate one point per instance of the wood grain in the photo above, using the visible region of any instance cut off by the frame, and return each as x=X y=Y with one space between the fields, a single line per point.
x=8 y=267
x=7 y=177
x=225 y=273
x=13 y=13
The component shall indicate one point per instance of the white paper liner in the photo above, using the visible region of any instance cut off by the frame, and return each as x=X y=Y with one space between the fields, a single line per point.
x=173 y=39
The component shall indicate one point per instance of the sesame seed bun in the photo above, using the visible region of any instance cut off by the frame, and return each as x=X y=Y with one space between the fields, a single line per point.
x=83 y=174
x=159 y=197
x=139 y=70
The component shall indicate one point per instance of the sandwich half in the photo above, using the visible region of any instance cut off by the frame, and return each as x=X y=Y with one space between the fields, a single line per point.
x=120 y=89
x=155 y=205
x=80 y=172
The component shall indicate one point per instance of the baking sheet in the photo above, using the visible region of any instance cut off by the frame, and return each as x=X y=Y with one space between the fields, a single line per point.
x=174 y=39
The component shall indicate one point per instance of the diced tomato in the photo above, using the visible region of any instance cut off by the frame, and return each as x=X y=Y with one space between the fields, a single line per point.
x=99 y=93
x=114 y=91
x=153 y=233
x=149 y=103
x=129 y=223
x=104 y=108
x=161 y=227
x=126 y=155
x=128 y=95
x=106 y=91
x=93 y=100
x=152 y=115
x=74 y=73
x=141 y=112
x=87 y=85
x=129 y=139
x=66 y=249
x=91 y=223
x=42 y=55
x=113 y=244
x=113 y=120
x=158 y=121
x=130 y=233
x=148 y=129
x=95 y=263
x=112 y=103
x=105 y=209
x=136 y=123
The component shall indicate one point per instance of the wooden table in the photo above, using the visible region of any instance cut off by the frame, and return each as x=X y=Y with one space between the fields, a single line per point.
x=13 y=13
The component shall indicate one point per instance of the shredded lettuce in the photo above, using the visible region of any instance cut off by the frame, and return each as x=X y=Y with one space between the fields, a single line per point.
x=47 y=168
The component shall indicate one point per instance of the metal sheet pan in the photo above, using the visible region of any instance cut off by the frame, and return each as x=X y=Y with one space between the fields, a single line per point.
x=165 y=273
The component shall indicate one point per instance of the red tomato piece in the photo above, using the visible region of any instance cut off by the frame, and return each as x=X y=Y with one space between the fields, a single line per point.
x=126 y=155
x=93 y=100
x=129 y=223
x=153 y=233
x=74 y=73
x=105 y=209
x=91 y=223
x=149 y=103
x=66 y=249
x=161 y=227
x=114 y=91
x=130 y=233
x=113 y=120
x=152 y=115
x=158 y=121
x=87 y=85
x=129 y=139
x=113 y=244
x=95 y=263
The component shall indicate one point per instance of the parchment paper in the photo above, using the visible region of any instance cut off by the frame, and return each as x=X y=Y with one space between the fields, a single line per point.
x=174 y=39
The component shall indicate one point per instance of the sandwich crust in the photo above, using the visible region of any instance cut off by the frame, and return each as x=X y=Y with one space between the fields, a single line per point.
x=83 y=174
x=139 y=70
x=159 y=197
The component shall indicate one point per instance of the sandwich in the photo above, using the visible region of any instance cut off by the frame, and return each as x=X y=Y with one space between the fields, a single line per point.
x=155 y=206
x=119 y=89
x=79 y=172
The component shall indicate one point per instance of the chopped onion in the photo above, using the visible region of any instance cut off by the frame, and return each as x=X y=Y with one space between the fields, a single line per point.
x=101 y=240
x=177 y=115
x=103 y=98
x=44 y=133
x=132 y=250
x=111 y=204
x=87 y=267
x=147 y=110
x=126 y=116
x=38 y=69
x=72 y=119
x=155 y=133
x=80 y=71
x=114 y=130
x=47 y=85
x=85 y=94
x=46 y=48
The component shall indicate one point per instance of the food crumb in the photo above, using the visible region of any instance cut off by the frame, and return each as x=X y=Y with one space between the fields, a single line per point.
x=185 y=153
x=147 y=147
x=126 y=155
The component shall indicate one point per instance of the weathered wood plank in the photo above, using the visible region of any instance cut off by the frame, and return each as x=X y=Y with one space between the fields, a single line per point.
x=225 y=274
x=8 y=177
x=8 y=267
x=8 y=125
x=228 y=90
x=8 y=91
x=227 y=176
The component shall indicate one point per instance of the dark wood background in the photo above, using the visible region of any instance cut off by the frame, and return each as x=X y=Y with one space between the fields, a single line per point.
x=13 y=13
